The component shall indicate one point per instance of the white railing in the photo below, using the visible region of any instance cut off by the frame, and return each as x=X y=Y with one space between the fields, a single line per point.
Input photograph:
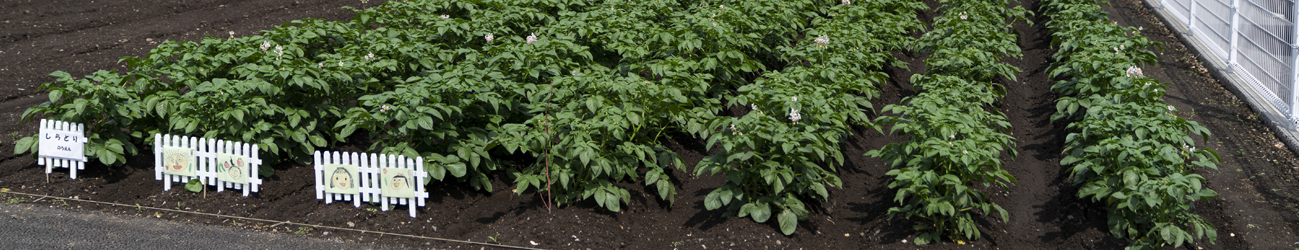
x=1256 y=39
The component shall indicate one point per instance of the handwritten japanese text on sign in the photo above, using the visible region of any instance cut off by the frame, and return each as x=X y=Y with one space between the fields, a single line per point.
x=63 y=144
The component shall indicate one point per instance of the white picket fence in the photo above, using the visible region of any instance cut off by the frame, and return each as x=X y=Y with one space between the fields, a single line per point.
x=72 y=161
x=368 y=185
x=205 y=152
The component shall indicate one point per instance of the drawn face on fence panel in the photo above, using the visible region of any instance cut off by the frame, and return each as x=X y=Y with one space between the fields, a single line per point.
x=399 y=182
x=340 y=179
x=176 y=162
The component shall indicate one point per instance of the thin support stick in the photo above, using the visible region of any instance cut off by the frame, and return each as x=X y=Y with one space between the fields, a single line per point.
x=549 y=138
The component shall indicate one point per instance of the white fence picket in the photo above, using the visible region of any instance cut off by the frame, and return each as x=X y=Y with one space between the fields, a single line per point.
x=341 y=158
x=369 y=168
x=54 y=162
x=206 y=151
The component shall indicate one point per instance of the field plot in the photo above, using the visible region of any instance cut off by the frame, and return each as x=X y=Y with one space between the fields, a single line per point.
x=765 y=110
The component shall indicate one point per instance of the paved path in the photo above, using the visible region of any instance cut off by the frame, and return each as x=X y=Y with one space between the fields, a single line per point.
x=26 y=226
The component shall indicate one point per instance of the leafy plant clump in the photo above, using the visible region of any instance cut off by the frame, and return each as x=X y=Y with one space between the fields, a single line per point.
x=568 y=98
x=788 y=144
x=1128 y=147
x=957 y=136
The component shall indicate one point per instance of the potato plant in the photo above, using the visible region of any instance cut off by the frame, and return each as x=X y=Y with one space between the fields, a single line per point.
x=957 y=136
x=788 y=145
x=567 y=98
x=1127 y=147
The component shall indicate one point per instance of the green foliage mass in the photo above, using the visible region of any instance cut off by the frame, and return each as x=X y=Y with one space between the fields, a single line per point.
x=957 y=136
x=568 y=98
x=787 y=146
x=1127 y=147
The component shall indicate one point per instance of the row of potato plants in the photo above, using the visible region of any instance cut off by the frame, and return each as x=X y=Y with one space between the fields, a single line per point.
x=957 y=136
x=1127 y=146
x=579 y=95
x=788 y=144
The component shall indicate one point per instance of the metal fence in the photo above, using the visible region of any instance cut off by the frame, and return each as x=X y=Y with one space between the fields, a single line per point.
x=1255 y=38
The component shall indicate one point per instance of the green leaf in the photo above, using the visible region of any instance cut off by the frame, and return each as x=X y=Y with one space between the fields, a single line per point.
x=318 y=141
x=457 y=169
x=788 y=222
x=426 y=122
x=55 y=95
x=762 y=213
x=665 y=190
x=612 y=203
x=194 y=185
x=25 y=144
x=436 y=170
x=712 y=201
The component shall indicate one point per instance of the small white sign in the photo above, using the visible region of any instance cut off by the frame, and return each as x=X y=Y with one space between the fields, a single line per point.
x=62 y=144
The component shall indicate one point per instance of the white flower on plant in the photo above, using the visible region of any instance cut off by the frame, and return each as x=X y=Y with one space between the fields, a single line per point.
x=320 y=65
x=446 y=16
x=489 y=37
x=794 y=115
x=721 y=6
x=385 y=108
x=532 y=38
x=266 y=45
x=369 y=56
x=1122 y=47
x=1135 y=72
x=846 y=2
x=340 y=63
x=953 y=137
x=793 y=99
x=1171 y=108
x=965 y=152
x=232 y=35
x=823 y=40
x=279 y=51
x=963 y=16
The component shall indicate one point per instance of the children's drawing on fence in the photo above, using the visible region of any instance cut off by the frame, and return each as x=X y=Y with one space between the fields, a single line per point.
x=224 y=164
x=342 y=179
x=178 y=161
x=396 y=183
x=232 y=168
x=385 y=180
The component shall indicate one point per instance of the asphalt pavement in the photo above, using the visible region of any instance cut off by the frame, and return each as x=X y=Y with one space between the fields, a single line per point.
x=29 y=226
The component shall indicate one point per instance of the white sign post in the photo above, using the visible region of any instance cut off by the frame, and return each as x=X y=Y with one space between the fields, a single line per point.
x=62 y=144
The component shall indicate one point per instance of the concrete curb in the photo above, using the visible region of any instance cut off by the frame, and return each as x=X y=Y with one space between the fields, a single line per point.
x=1219 y=69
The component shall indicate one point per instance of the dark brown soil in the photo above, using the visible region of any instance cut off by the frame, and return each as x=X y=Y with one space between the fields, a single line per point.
x=1256 y=178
